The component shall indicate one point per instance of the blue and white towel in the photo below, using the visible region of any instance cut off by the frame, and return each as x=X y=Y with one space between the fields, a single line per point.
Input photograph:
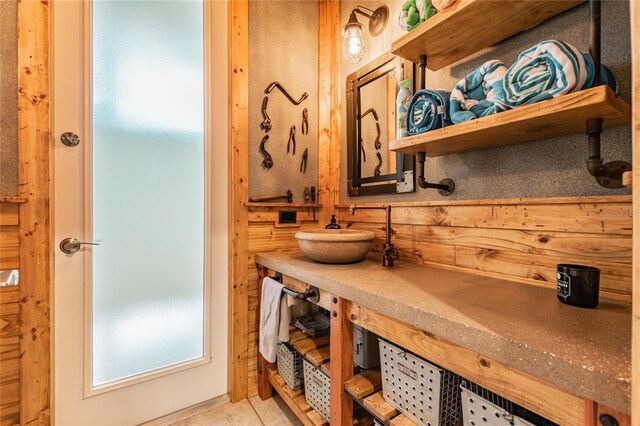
x=548 y=70
x=428 y=110
x=475 y=95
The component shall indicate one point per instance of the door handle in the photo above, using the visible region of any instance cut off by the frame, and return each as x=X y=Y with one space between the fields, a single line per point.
x=72 y=245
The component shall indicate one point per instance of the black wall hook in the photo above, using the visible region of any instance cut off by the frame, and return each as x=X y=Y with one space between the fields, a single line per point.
x=276 y=84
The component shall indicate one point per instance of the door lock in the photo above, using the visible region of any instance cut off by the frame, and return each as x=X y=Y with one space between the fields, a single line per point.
x=70 y=139
x=72 y=245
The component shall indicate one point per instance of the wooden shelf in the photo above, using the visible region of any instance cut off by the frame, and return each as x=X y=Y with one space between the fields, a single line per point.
x=316 y=351
x=279 y=205
x=556 y=117
x=16 y=200
x=364 y=384
x=365 y=390
x=469 y=26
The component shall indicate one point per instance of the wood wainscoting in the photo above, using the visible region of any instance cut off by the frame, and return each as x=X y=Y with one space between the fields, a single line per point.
x=635 y=148
x=515 y=239
x=9 y=317
x=265 y=234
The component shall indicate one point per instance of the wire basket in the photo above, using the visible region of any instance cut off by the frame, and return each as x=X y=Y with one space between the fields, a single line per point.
x=427 y=394
x=317 y=389
x=290 y=365
x=481 y=407
x=313 y=325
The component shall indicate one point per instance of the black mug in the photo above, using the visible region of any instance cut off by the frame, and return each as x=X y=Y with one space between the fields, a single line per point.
x=578 y=285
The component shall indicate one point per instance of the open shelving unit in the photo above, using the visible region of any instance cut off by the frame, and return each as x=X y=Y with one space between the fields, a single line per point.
x=449 y=35
x=351 y=388
x=556 y=117
x=316 y=351
x=296 y=402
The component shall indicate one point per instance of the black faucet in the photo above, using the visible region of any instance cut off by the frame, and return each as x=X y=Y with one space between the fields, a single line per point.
x=389 y=252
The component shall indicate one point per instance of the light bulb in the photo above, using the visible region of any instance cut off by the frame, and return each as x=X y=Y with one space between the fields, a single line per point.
x=353 y=43
x=352 y=40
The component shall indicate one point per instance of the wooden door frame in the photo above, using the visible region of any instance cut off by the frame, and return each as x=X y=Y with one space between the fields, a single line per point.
x=34 y=158
x=635 y=134
x=238 y=196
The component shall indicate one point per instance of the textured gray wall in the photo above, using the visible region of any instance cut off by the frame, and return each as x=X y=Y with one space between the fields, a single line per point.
x=283 y=46
x=8 y=99
x=549 y=168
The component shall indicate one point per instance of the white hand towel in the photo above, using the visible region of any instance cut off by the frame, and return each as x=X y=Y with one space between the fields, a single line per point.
x=285 y=319
x=274 y=318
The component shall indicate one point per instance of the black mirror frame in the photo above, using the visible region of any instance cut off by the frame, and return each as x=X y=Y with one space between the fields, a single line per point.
x=404 y=163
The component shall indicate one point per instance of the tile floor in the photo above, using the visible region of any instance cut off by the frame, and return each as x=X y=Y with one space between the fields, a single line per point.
x=272 y=412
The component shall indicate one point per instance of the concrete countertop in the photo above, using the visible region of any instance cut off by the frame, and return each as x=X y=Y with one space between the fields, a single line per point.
x=584 y=351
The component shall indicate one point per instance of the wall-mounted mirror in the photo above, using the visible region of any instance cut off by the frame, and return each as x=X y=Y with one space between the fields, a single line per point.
x=371 y=118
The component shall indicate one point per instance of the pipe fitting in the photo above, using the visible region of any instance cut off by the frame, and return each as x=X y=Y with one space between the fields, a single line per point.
x=445 y=187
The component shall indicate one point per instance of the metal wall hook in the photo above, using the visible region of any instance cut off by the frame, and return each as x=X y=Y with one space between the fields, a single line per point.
x=377 y=171
x=266 y=120
x=276 y=84
x=267 y=161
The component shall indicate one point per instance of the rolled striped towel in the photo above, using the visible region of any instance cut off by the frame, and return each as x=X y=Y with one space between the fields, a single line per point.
x=428 y=110
x=475 y=95
x=414 y=13
x=548 y=70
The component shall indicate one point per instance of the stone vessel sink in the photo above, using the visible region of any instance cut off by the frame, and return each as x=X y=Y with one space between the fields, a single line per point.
x=336 y=245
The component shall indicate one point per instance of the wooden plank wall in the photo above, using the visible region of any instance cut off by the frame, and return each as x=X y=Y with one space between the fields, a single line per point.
x=329 y=106
x=520 y=239
x=238 y=194
x=266 y=235
x=35 y=156
x=9 y=319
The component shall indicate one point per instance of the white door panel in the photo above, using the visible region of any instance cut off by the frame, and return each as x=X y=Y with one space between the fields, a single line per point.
x=141 y=319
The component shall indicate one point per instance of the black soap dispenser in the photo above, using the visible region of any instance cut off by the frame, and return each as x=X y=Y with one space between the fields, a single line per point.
x=333 y=224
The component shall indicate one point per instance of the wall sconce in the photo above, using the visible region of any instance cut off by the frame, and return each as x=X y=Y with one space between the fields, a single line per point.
x=352 y=40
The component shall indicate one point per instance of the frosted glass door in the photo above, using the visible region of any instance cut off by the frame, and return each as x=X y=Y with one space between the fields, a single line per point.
x=147 y=186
